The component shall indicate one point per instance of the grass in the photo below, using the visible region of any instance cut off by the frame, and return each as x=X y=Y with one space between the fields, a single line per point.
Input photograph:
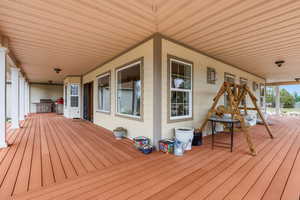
x=284 y=110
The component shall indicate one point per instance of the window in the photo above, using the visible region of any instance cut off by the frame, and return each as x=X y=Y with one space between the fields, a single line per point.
x=211 y=75
x=104 y=92
x=262 y=95
x=243 y=81
x=129 y=90
x=74 y=95
x=66 y=96
x=180 y=89
x=254 y=86
x=231 y=79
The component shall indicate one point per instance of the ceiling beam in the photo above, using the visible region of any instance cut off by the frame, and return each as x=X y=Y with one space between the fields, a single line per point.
x=283 y=83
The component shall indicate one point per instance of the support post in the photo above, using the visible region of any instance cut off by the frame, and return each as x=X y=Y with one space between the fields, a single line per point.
x=21 y=96
x=277 y=100
x=157 y=88
x=15 y=97
x=26 y=98
x=3 y=52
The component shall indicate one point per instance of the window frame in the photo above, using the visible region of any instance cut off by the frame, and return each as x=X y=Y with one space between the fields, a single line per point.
x=78 y=95
x=254 y=86
x=243 y=79
x=208 y=75
x=108 y=73
x=229 y=74
x=66 y=96
x=262 y=97
x=126 y=66
x=170 y=89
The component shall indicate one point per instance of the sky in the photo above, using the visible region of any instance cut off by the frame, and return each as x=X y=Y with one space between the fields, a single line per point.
x=292 y=88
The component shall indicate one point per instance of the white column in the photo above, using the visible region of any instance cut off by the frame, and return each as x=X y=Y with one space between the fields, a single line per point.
x=15 y=97
x=277 y=100
x=3 y=52
x=28 y=98
x=21 y=96
x=25 y=98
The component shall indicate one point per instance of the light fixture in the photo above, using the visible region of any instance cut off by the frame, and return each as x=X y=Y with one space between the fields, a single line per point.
x=279 y=63
x=57 y=70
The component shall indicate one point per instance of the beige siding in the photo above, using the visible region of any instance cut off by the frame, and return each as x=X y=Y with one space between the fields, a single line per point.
x=40 y=91
x=203 y=93
x=110 y=121
x=72 y=79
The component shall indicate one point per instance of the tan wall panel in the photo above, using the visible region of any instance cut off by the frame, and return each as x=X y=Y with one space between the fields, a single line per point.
x=38 y=92
x=110 y=121
x=72 y=79
x=203 y=93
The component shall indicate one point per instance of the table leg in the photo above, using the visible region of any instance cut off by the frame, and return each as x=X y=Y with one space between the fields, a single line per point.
x=212 y=134
x=232 y=129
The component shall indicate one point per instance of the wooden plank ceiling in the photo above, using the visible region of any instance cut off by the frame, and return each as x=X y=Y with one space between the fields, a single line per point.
x=77 y=35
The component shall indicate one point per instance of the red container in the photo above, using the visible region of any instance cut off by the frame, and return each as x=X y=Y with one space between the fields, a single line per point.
x=60 y=101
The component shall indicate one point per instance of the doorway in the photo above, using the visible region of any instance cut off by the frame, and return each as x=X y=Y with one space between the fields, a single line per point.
x=88 y=101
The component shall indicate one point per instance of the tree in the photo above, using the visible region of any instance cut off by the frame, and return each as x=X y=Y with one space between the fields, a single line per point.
x=297 y=97
x=287 y=99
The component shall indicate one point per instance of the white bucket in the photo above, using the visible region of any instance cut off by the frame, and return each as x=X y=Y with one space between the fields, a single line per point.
x=185 y=135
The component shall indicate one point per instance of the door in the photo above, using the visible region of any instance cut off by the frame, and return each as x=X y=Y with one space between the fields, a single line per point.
x=88 y=103
x=74 y=101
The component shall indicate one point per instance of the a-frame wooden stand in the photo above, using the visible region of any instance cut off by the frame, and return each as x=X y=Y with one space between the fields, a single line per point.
x=236 y=94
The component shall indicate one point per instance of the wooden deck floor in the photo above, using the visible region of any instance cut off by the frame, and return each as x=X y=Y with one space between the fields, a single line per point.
x=56 y=158
x=50 y=149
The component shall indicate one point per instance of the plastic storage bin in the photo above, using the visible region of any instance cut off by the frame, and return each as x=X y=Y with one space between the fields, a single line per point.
x=185 y=135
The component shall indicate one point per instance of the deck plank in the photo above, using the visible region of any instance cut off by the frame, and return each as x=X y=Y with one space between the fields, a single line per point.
x=14 y=166
x=25 y=167
x=278 y=183
x=36 y=163
x=240 y=174
x=247 y=182
x=292 y=188
x=85 y=154
x=68 y=159
x=47 y=170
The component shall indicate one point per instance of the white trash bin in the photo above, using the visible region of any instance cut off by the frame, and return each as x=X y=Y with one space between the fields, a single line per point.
x=185 y=135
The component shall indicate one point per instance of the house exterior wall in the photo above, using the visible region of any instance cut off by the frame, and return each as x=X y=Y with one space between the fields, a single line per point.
x=203 y=93
x=111 y=120
x=44 y=91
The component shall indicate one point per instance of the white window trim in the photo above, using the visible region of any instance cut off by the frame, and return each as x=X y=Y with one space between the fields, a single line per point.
x=181 y=90
x=101 y=76
x=116 y=95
